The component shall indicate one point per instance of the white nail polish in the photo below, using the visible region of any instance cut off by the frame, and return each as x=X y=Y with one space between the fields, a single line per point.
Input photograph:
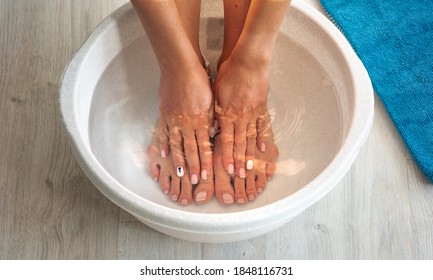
x=201 y=196
x=242 y=172
x=163 y=155
x=231 y=169
x=194 y=179
x=263 y=147
x=179 y=171
x=250 y=164
x=227 y=198
x=204 y=174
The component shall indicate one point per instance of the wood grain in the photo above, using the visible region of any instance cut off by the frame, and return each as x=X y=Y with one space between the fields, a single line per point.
x=382 y=209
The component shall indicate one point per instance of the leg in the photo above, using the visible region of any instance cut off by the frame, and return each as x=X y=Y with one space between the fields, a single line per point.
x=242 y=83
x=185 y=94
x=235 y=13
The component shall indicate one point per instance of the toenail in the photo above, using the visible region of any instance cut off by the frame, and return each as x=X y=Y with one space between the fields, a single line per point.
x=174 y=197
x=179 y=171
x=155 y=179
x=201 y=196
x=165 y=192
x=184 y=201
x=163 y=155
x=242 y=172
x=204 y=174
x=241 y=200
x=259 y=190
x=231 y=168
x=212 y=132
x=250 y=164
x=263 y=147
x=251 y=197
x=194 y=179
x=227 y=198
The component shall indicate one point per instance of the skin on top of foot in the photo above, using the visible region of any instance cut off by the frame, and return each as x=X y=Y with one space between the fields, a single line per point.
x=185 y=92
x=186 y=98
x=179 y=189
x=232 y=188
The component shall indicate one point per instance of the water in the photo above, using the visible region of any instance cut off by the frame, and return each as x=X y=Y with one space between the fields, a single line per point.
x=303 y=104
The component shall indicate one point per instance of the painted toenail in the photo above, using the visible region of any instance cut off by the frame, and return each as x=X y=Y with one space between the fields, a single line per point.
x=194 y=179
x=179 y=171
x=250 y=164
x=241 y=200
x=251 y=197
x=212 y=132
x=242 y=172
x=231 y=168
x=227 y=198
x=201 y=196
x=204 y=174
x=263 y=147
x=184 y=201
x=163 y=155
x=259 y=190
x=174 y=197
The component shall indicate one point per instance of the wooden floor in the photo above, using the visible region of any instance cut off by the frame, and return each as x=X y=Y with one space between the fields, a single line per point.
x=382 y=209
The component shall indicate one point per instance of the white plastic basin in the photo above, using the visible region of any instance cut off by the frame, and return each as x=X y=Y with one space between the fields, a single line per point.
x=321 y=101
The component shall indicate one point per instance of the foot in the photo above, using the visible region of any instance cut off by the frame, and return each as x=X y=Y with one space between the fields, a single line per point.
x=179 y=189
x=241 y=91
x=186 y=115
x=232 y=188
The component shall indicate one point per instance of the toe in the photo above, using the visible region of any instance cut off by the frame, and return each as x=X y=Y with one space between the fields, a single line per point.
x=240 y=147
x=251 y=146
x=240 y=194
x=205 y=152
x=223 y=189
x=174 y=188
x=154 y=170
x=164 y=183
x=260 y=182
x=185 y=196
x=176 y=146
x=227 y=139
x=164 y=147
x=204 y=190
x=191 y=154
x=251 y=187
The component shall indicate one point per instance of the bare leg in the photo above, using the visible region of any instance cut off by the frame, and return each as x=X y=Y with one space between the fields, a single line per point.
x=235 y=13
x=185 y=94
x=241 y=86
x=243 y=150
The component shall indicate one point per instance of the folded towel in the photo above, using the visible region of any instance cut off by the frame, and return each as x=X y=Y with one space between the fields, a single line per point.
x=394 y=40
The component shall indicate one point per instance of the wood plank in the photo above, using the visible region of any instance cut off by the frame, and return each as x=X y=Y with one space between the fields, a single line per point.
x=421 y=203
x=138 y=241
x=49 y=209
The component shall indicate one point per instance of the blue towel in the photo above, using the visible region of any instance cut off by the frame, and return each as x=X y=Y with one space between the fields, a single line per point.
x=394 y=40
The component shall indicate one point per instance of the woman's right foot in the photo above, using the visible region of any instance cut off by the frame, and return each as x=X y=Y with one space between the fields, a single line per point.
x=232 y=188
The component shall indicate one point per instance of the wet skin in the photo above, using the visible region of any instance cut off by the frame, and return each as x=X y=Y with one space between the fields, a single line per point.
x=241 y=189
x=180 y=189
x=227 y=188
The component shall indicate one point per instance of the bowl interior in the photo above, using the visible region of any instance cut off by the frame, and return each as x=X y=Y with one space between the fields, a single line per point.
x=310 y=102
